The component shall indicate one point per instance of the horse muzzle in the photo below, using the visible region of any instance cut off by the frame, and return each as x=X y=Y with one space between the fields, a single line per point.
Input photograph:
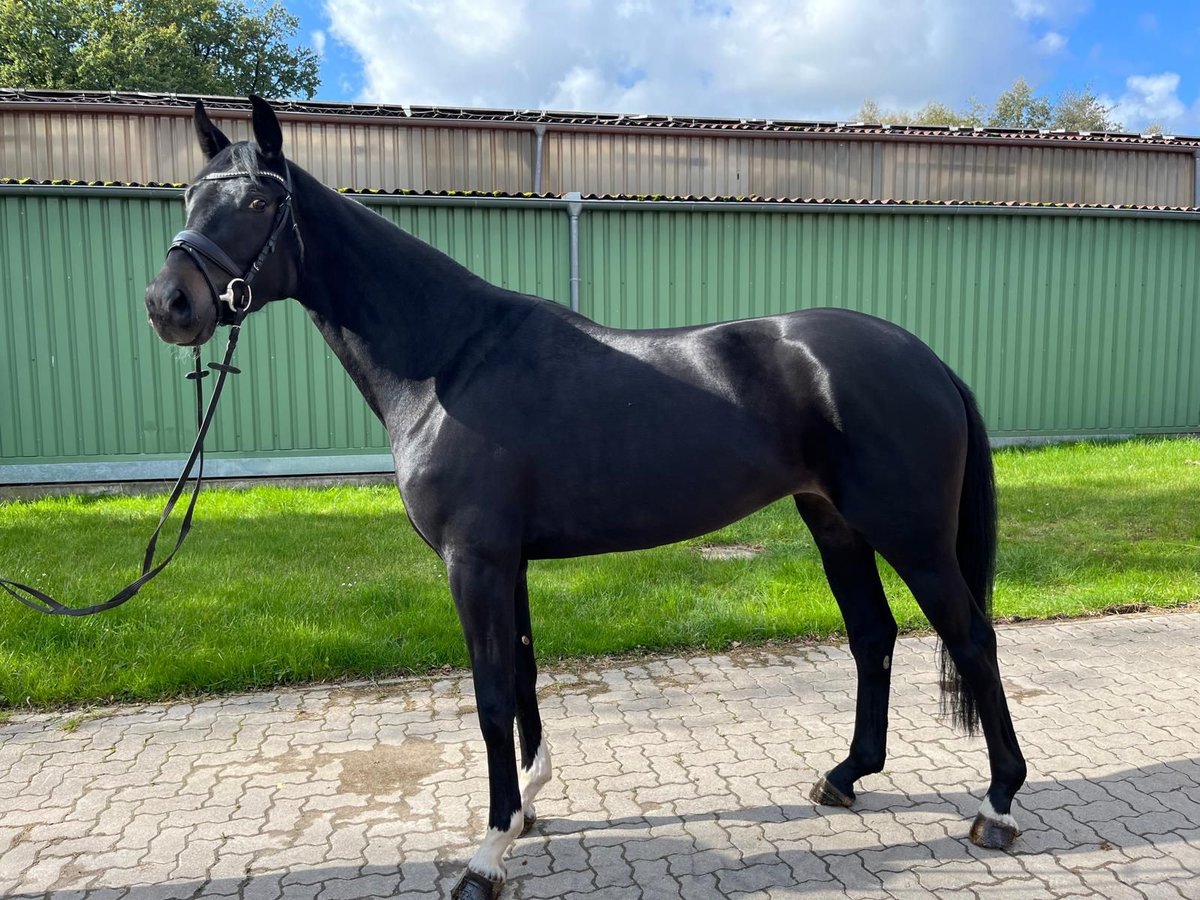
x=178 y=312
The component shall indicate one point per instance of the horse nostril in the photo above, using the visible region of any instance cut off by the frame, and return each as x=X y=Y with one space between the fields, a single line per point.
x=179 y=308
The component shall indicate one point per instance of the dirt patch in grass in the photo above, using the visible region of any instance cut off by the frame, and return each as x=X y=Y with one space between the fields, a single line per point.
x=719 y=552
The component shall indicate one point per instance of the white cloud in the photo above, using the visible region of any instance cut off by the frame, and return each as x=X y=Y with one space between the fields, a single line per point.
x=318 y=42
x=1052 y=42
x=759 y=58
x=1030 y=9
x=1151 y=99
x=1049 y=10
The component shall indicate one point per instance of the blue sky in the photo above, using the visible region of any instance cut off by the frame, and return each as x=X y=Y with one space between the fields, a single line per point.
x=801 y=59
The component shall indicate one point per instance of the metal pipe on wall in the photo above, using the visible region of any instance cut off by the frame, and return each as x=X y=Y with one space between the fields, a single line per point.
x=539 y=131
x=1196 y=180
x=574 y=209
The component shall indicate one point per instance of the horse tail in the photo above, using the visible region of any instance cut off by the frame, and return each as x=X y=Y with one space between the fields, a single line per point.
x=976 y=549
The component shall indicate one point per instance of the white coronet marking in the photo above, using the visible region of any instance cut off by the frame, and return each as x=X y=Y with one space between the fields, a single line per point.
x=535 y=777
x=488 y=860
x=989 y=812
x=887 y=663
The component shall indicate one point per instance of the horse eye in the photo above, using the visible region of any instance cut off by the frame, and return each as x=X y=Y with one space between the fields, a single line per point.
x=258 y=203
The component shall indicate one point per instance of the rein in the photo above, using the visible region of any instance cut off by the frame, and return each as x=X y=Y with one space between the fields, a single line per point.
x=238 y=297
x=42 y=602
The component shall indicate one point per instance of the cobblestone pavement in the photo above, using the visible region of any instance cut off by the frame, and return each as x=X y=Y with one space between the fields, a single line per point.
x=675 y=778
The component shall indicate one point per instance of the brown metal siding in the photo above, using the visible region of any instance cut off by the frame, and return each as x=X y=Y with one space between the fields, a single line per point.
x=928 y=171
x=110 y=146
x=390 y=157
x=102 y=146
x=387 y=154
x=636 y=165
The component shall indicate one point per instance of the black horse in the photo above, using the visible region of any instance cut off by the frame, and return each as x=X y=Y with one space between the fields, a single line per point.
x=521 y=430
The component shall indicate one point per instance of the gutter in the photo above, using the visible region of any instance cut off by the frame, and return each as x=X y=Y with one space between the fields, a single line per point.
x=626 y=205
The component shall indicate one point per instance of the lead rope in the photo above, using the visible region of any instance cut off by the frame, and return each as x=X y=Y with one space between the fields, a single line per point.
x=44 y=603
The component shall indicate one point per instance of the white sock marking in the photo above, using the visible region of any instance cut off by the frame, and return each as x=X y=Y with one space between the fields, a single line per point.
x=488 y=860
x=535 y=777
x=989 y=812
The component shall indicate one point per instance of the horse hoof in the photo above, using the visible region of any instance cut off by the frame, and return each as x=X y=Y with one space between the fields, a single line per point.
x=991 y=834
x=473 y=886
x=825 y=794
x=530 y=819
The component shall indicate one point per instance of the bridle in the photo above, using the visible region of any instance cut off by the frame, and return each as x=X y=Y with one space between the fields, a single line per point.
x=237 y=292
x=238 y=297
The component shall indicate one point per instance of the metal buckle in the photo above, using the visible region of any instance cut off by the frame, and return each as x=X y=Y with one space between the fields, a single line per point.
x=237 y=295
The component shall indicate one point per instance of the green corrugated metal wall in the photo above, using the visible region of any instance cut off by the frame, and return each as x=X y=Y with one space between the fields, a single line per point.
x=1063 y=324
x=83 y=378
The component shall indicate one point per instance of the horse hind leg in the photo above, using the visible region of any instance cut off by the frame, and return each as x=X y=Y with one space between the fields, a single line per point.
x=850 y=567
x=535 y=754
x=968 y=637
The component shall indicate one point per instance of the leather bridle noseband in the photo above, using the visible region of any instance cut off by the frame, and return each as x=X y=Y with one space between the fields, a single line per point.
x=239 y=298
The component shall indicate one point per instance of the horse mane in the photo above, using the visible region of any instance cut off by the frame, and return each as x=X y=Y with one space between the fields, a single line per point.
x=243 y=158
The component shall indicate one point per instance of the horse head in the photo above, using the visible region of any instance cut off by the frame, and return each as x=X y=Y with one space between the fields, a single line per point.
x=240 y=248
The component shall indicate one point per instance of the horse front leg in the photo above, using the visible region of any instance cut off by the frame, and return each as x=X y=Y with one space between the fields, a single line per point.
x=535 y=753
x=483 y=587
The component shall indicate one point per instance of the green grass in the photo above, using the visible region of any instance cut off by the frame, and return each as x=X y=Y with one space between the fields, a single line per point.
x=285 y=585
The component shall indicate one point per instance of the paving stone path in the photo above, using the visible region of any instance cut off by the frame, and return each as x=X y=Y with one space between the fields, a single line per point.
x=674 y=778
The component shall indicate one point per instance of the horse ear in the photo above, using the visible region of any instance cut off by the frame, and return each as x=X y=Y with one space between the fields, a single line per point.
x=212 y=139
x=266 y=128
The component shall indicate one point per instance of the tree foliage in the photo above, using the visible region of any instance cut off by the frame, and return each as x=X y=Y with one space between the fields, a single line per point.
x=226 y=47
x=932 y=113
x=1083 y=111
x=1017 y=107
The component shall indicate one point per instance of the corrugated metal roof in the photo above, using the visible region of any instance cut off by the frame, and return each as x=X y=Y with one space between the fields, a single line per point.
x=600 y=121
x=690 y=198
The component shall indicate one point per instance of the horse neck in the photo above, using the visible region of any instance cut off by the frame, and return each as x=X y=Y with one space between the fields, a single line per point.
x=396 y=311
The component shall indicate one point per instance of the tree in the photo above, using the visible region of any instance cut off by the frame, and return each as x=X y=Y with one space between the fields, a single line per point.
x=936 y=113
x=1083 y=111
x=190 y=46
x=932 y=113
x=1018 y=107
